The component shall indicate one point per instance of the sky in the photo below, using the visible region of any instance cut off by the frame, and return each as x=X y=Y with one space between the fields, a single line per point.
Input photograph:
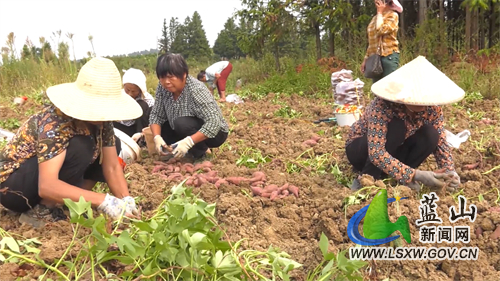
x=117 y=26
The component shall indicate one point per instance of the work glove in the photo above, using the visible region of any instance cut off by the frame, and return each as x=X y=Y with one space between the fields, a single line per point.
x=356 y=185
x=113 y=207
x=131 y=208
x=137 y=136
x=453 y=180
x=160 y=145
x=182 y=147
x=428 y=178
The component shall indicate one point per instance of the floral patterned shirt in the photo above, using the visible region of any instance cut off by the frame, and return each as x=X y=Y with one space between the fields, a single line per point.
x=373 y=123
x=45 y=135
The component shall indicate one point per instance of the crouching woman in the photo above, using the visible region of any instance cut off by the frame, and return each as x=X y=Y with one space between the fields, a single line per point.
x=62 y=151
x=403 y=125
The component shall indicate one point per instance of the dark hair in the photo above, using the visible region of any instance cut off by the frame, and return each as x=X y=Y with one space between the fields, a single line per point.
x=201 y=74
x=171 y=64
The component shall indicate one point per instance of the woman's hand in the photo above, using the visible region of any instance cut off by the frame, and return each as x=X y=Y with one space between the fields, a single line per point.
x=380 y=6
x=363 y=66
x=217 y=75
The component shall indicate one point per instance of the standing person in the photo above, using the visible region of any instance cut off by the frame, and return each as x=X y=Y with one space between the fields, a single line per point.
x=217 y=74
x=382 y=36
x=403 y=125
x=134 y=85
x=185 y=114
x=62 y=151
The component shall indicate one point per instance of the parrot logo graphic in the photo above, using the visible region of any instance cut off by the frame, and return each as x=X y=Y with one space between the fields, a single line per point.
x=377 y=227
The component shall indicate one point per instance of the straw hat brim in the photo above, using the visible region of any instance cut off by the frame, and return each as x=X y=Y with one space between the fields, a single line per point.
x=80 y=105
x=418 y=83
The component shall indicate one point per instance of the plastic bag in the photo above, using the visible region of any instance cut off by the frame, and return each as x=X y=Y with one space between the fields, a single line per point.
x=350 y=92
x=340 y=76
x=234 y=98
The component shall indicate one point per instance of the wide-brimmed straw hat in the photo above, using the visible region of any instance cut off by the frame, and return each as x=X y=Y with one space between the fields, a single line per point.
x=136 y=77
x=96 y=95
x=418 y=83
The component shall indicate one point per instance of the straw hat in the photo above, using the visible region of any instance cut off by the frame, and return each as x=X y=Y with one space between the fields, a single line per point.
x=96 y=95
x=136 y=77
x=418 y=83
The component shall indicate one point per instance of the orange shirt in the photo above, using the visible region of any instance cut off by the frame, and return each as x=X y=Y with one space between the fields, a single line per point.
x=388 y=31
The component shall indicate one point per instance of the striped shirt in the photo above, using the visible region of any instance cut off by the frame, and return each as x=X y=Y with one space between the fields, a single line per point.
x=148 y=98
x=374 y=124
x=388 y=31
x=194 y=101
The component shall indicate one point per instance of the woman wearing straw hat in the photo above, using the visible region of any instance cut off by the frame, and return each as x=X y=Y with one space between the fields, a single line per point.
x=382 y=36
x=134 y=84
x=403 y=125
x=62 y=151
x=185 y=114
x=217 y=75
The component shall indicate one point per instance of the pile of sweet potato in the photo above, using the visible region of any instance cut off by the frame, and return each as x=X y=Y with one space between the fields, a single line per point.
x=202 y=173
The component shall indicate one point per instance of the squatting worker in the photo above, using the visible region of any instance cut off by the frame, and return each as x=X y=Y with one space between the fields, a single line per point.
x=217 y=75
x=62 y=151
x=403 y=125
x=134 y=85
x=382 y=34
x=185 y=114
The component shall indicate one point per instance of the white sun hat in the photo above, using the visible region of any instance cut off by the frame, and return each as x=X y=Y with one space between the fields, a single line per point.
x=96 y=95
x=136 y=77
x=418 y=82
x=396 y=6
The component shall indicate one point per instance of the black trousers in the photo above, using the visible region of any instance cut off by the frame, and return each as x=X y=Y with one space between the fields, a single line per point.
x=140 y=123
x=187 y=126
x=22 y=184
x=412 y=151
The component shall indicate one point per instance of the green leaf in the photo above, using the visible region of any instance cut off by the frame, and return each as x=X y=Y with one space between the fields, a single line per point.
x=481 y=198
x=30 y=249
x=197 y=238
x=11 y=243
x=323 y=244
x=190 y=211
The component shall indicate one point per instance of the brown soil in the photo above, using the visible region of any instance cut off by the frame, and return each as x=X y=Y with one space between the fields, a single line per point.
x=295 y=224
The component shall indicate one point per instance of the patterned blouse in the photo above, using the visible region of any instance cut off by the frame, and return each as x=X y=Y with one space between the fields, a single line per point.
x=45 y=135
x=195 y=101
x=388 y=31
x=373 y=123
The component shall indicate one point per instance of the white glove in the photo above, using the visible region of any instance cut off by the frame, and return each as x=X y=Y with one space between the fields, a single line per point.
x=160 y=144
x=113 y=207
x=182 y=147
x=137 y=136
x=131 y=208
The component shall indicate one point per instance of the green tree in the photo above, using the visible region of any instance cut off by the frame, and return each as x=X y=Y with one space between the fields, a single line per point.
x=198 y=46
x=164 y=42
x=226 y=44
x=181 y=39
x=26 y=53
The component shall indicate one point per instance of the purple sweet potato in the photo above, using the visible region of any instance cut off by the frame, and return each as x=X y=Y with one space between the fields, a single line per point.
x=270 y=188
x=284 y=194
x=177 y=169
x=157 y=168
x=258 y=183
x=284 y=187
x=315 y=138
x=294 y=190
x=188 y=168
x=310 y=143
x=274 y=195
x=236 y=180
x=220 y=182
x=256 y=191
x=265 y=194
x=258 y=176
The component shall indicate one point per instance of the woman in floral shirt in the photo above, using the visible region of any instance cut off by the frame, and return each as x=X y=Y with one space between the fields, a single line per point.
x=62 y=151
x=403 y=126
